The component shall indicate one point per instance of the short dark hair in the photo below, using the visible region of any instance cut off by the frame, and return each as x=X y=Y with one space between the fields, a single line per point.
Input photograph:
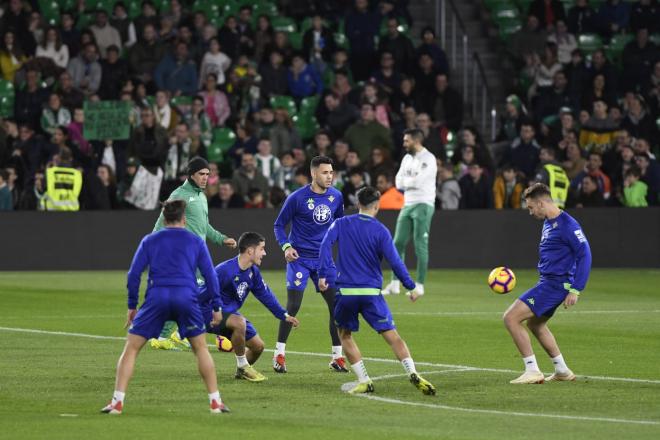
x=368 y=195
x=550 y=150
x=536 y=191
x=319 y=160
x=248 y=240
x=415 y=133
x=173 y=210
x=4 y=174
x=633 y=171
x=387 y=175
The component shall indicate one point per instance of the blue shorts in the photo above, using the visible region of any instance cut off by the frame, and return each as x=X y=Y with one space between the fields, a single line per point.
x=299 y=271
x=222 y=330
x=544 y=298
x=373 y=308
x=163 y=304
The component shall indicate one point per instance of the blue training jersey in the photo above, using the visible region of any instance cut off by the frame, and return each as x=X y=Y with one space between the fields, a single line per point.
x=310 y=215
x=363 y=242
x=236 y=284
x=173 y=256
x=564 y=253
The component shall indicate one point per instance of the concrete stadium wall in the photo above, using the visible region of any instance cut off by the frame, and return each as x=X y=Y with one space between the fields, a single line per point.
x=459 y=239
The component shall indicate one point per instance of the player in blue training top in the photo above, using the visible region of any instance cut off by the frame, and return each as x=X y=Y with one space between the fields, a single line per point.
x=310 y=211
x=363 y=242
x=564 y=265
x=238 y=277
x=173 y=256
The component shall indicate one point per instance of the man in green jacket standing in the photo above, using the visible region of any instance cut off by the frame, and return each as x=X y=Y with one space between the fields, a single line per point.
x=197 y=222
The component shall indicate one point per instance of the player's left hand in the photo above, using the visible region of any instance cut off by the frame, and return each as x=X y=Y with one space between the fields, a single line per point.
x=571 y=300
x=229 y=242
x=323 y=284
x=130 y=316
x=216 y=318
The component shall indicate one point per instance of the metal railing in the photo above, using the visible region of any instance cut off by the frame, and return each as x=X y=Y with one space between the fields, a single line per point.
x=448 y=23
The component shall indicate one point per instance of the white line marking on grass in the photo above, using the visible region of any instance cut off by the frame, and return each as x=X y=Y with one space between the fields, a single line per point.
x=572 y=312
x=68 y=415
x=347 y=386
x=308 y=353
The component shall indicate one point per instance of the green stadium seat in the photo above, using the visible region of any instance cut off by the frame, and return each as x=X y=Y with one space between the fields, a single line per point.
x=403 y=26
x=589 y=43
x=223 y=139
x=523 y=6
x=283 y=24
x=134 y=8
x=308 y=105
x=285 y=102
x=614 y=50
x=7 y=95
x=491 y=5
x=341 y=40
x=296 y=40
x=655 y=38
x=306 y=125
x=265 y=8
x=505 y=12
x=568 y=4
x=508 y=27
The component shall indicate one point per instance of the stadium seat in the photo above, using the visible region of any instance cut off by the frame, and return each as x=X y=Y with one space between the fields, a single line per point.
x=306 y=125
x=134 y=9
x=589 y=43
x=568 y=4
x=614 y=50
x=491 y=5
x=265 y=8
x=162 y=5
x=7 y=95
x=50 y=10
x=403 y=26
x=505 y=12
x=223 y=139
x=296 y=40
x=285 y=102
x=508 y=27
x=523 y=6
x=308 y=105
x=283 y=24
x=341 y=40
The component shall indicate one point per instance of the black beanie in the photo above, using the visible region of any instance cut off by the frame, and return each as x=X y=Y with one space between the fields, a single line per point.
x=197 y=163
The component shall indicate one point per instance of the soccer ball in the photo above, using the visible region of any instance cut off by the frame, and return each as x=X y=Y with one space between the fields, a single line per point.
x=223 y=344
x=502 y=280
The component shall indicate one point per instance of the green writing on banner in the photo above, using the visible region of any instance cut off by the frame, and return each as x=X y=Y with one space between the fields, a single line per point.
x=107 y=120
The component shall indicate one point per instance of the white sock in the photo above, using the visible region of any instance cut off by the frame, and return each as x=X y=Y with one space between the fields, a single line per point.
x=118 y=396
x=560 y=364
x=241 y=361
x=409 y=365
x=336 y=351
x=279 y=348
x=530 y=363
x=215 y=396
x=361 y=371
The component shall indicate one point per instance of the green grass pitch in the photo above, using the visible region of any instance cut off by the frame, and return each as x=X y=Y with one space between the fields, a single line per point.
x=53 y=383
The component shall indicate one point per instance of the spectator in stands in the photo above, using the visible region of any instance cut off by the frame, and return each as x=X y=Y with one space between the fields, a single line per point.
x=263 y=38
x=114 y=71
x=380 y=162
x=507 y=189
x=399 y=46
x=545 y=71
x=283 y=134
x=613 y=16
x=372 y=94
x=645 y=14
x=354 y=184
x=559 y=132
x=51 y=47
x=247 y=177
x=124 y=185
x=255 y=199
x=448 y=194
x=215 y=102
x=336 y=115
x=30 y=99
x=122 y=22
x=85 y=70
x=448 y=106
x=303 y=79
x=386 y=76
x=104 y=33
x=33 y=195
x=548 y=12
x=11 y=56
x=601 y=65
x=551 y=174
x=589 y=194
x=16 y=20
x=650 y=172
x=638 y=122
x=54 y=115
x=470 y=137
x=145 y=55
x=597 y=92
x=215 y=62
x=638 y=58
x=367 y=133
x=284 y=177
x=230 y=37
x=581 y=18
x=404 y=96
x=109 y=186
x=166 y=116
x=599 y=129
x=463 y=160
x=318 y=43
x=476 y=190
x=574 y=163
x=577 y=75
x=339 y=65
x=432 y=140
x=149 y=142
x=75 y=132
x=565 y=41
x=267 y=163
x=148 y=18
x=514 y=114
x=523 y=153
x=244 y=27
x=32 y=149
x=281 y=43
x=226 y=197
x=390 y=198
x=634 y=190
x=430 y=47
x=198 y=120
x=362 y=26
x=177 y=73
x=553 y=98
x=594 y=170
x=339 y=154
x=651 y=90
x=274 y=76
x=320 y=146
x=527 y=41
x=642 y=146
x=178 y=155
x=6 y=202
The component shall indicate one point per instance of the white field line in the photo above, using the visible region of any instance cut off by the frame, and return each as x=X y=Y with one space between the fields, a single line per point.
x=307 y=353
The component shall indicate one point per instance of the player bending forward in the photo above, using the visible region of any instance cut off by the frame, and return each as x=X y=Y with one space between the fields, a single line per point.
x=564 y=265
x=238 y=277
x=363 y=241
x=173 y=255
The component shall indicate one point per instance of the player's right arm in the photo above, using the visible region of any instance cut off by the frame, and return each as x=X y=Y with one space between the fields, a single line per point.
x=283 y=219
x=138 y=265
x=392 y=256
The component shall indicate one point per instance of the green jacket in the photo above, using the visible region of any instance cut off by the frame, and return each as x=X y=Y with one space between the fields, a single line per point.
x=635 y=195
x=197 y=213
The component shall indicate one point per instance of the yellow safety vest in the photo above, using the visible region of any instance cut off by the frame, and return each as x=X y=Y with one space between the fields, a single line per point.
x=63 y=187
x=558 y=183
